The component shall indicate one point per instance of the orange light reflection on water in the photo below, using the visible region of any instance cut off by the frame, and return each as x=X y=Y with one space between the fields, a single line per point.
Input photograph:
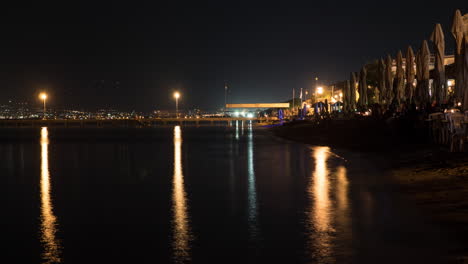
x=180 y=218
x=342 y=190
x=320 y=213
x=52 y=249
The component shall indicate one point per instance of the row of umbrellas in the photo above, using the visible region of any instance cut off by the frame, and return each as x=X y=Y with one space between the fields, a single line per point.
x=410 y=81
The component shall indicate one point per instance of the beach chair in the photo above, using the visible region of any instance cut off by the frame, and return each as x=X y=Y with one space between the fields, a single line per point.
x=456 y=131
x=437 y=127
x=465 y=127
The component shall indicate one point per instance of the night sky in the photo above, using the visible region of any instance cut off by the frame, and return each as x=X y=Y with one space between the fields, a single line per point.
x=134 y=55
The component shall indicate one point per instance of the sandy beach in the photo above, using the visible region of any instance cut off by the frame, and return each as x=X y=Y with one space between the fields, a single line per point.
x=425 y=174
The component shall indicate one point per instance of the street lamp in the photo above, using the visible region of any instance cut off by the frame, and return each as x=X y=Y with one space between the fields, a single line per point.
x=320 y=90
x=316 y=84
x=43 y=97
x=176 y=96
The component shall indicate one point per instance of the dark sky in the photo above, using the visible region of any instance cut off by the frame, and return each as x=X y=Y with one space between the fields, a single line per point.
x=134 y=55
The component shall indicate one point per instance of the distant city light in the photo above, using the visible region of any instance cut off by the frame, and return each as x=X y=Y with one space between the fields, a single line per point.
x=176 y=95
x=320 y=90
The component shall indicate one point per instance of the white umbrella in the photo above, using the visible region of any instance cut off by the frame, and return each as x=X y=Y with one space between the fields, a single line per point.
x=457 y=30
x=347 y=97
x=440 y=85
x=389 y=80
x=399 y=78
x=363 y=88
x=381 y=76
x=422 y=65
x=353 y=91
x=409 y=74
x=465 y=72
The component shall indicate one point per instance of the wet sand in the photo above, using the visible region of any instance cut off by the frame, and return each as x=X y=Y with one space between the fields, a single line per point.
x=437 y=182
x=428 y=176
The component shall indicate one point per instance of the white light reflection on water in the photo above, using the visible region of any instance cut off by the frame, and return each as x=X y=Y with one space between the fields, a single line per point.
x=252 y=192
x=242 y=128
x=182 y=235
x=52 y=249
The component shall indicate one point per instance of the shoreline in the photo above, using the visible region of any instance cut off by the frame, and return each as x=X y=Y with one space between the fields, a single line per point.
x=426 y=175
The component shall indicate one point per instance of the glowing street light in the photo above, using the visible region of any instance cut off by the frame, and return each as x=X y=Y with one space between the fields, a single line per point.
x=316 y=87
x=320 y=90
x=43 y=97
x=176 y=96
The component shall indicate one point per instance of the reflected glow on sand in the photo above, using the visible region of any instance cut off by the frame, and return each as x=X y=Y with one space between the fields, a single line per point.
x=51 y=245
x=179 y=202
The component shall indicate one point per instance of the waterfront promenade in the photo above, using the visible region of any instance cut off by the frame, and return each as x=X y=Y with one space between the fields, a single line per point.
x=131 y=123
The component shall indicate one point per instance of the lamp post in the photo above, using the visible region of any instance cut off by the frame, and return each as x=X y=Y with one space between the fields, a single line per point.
x=316 y=84
x=225 y=97
x=320 y=90
x=176 y=96
x=43 y=96
x=319 y=93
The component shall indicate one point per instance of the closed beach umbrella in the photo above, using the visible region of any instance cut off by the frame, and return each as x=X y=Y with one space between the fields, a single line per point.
x=399 y=78
x=363 y=88
x=389 y=80
x=417 y=93
x=381 y=76
x=343 y=98
x=440 y=86
x=423 y=73
x=465 y=73
x=409 y=74
x=457 y=32
x=353 y=91
x=347 y=97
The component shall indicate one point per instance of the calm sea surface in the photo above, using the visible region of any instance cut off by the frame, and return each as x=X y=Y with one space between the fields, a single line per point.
x=202 y=195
